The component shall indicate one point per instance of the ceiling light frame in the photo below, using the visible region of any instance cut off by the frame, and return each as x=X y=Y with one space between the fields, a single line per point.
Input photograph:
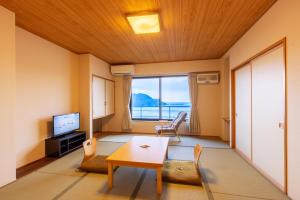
x=141 y=15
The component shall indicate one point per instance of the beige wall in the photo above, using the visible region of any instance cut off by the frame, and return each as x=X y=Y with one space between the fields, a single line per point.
x=100 y=68
x=7 y=100
x=282 y=20
x=84 y=92
x=225 y=101
x=210 y=102
x=47 y=84
x=89 y=65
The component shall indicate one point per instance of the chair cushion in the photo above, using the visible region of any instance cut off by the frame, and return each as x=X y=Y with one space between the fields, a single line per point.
x=96 y=164
x=173 y=126
x=184 y=172
x=164 y=128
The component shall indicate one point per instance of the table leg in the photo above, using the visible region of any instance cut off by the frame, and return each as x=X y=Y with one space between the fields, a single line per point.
x=110 y=175
x=167 y=156
x=159 y=180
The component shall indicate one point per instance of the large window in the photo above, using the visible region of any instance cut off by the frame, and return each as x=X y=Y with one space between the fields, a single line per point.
x=156 y=98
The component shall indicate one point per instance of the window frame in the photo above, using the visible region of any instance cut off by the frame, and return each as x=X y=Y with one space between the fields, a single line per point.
x=160 y=97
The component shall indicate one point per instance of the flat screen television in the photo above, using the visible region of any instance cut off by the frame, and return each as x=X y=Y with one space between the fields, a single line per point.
x=64 y=124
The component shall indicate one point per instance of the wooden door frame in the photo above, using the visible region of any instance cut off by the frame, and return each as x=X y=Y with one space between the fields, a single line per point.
x=233 y=109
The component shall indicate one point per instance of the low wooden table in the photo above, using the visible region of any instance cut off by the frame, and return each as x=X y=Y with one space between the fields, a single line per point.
x=132 y=155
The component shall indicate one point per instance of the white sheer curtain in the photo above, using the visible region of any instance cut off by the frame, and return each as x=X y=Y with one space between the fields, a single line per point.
x=194 y=116
x=126 y=122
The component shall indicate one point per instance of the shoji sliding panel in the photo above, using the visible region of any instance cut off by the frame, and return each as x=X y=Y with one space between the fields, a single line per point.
x=98 y=97
x=268 y=111
x=243 y=109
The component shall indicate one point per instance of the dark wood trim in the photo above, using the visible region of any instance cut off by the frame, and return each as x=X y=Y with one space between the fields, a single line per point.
x=33 y=166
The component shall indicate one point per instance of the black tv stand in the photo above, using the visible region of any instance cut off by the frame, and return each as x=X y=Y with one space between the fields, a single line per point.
x=59 y=146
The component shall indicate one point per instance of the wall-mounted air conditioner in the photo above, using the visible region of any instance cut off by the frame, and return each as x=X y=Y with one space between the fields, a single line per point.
x=208 y=78
x=119 y=70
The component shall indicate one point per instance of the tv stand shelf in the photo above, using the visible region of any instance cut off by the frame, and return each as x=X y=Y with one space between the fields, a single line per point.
x=59 y=146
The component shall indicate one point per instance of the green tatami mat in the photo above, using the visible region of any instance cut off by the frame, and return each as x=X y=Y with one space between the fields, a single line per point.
x=107 y=148
x=95 y=186
x=180 y=153
x=36 y=186
x=68 y=165
x=170 y=191
x=225 y=173
x=189 y=141
x=228 y=173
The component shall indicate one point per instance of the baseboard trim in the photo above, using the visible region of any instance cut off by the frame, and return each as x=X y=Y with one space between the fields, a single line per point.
x=33 y=166
x=269 y=178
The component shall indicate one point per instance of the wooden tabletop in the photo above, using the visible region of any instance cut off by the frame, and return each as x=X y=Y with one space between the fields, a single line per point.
x=132 y=154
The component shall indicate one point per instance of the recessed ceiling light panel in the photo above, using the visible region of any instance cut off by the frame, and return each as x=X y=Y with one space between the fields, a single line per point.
x=147 y=23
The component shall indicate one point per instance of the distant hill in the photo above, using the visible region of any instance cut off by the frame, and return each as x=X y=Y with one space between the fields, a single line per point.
x=144 y=100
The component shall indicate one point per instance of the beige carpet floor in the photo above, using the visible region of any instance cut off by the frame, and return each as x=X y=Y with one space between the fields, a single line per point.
x=188 y=141
x=226 y=177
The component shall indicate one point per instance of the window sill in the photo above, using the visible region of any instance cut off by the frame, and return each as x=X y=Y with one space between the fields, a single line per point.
x=150 y=120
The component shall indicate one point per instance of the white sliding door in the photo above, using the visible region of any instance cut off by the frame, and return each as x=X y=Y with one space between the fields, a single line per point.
x=98 y=97
x=268 y=111
x=110 y=97
x=243 y=109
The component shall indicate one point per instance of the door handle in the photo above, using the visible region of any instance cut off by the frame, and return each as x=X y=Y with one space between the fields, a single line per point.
x=281 y=125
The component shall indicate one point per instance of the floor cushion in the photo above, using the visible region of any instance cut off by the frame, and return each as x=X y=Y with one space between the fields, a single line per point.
x=96 y=164
x=178 y=171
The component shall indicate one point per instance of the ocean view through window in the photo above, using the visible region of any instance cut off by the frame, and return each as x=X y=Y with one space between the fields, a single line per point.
x=159 y=98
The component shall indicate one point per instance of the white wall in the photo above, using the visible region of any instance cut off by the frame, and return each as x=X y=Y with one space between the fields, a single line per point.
x=47 y=84
x=7 y=100
x=282 y=20
x=210 y=104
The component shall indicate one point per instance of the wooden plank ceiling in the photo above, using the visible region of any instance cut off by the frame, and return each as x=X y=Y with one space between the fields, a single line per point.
x=191 y=29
